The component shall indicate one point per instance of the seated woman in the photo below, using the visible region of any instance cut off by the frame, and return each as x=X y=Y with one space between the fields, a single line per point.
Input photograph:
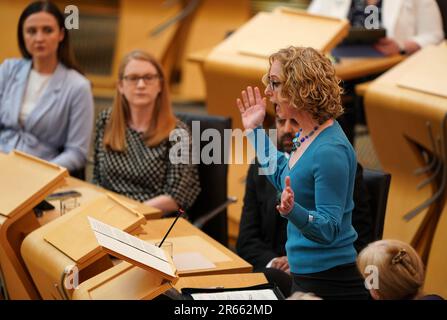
x=133 y=148
x=46 y=104
x=393 y=271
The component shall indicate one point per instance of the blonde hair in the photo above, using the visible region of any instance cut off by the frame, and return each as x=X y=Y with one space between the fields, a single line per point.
x=310 y=82
x=400 y=269
x=162 y=121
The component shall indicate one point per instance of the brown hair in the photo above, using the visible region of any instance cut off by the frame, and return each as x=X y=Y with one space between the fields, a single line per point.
x=310 y=82
x=64 y=53
x=163 y=119
x=400 y=269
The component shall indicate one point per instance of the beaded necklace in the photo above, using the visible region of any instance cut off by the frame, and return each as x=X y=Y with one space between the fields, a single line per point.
x=297 y=141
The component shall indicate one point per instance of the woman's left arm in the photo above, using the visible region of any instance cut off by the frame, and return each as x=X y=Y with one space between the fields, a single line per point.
x=79 y=131
x=6 y=68
x=165 y=203
x=331 y=171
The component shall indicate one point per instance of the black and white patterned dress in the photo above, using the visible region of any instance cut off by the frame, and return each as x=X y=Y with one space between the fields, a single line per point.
x=143 y=172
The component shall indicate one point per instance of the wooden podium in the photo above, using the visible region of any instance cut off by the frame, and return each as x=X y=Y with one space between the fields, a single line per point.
x=25 y=182
x=406 y=111
x=68 y=241
x=48 y=256
x=155 y=266
x=130 y=282
x=122 y=282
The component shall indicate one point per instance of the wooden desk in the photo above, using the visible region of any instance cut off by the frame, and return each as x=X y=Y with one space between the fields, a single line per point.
x=353 y=68
x=109 y=284
x=237 y=280
x=46 y=263
x=397 y=121
x=127 y=282
x=91 y=192
x=25 y=182
x=155 y=229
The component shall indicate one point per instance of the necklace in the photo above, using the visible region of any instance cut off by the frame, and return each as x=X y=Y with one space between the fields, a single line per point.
x=297 y=141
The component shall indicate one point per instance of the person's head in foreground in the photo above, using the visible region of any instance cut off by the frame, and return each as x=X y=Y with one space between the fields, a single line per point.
x=392 y=270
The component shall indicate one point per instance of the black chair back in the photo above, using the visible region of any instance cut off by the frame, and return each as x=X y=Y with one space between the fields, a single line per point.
x=378 y=184
x=442 y=4
x=78 y=173
x=213 y=177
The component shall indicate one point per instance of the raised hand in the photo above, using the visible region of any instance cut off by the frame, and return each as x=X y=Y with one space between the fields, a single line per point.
x=252 y=108
x=287 y=199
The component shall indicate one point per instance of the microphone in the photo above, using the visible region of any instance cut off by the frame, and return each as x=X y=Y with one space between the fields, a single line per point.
x=179 y=213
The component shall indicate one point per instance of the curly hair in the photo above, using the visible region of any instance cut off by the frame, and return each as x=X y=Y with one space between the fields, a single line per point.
x=310 y=82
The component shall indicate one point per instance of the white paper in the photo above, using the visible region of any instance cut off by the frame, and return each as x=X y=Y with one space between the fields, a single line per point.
x=192 y=261
x=262 y=294
x=129 y=246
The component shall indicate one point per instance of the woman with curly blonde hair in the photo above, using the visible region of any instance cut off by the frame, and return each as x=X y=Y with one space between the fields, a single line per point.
x=317 y=180
x=393 y=270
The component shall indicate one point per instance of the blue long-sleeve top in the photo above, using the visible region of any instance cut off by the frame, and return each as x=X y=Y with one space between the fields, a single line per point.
x=320 y=235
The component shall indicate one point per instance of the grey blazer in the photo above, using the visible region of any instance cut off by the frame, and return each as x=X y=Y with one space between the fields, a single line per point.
x=59 y=128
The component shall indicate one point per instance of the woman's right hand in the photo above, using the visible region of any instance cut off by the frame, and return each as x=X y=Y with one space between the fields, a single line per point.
x=281 y=263
x=252 y=108
x=287 y=199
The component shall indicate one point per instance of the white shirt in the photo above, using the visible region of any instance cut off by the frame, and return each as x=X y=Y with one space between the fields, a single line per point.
x=416 y=20
x=37 y=82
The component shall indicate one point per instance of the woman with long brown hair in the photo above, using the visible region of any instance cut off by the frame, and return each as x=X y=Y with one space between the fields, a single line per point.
x=46 y=104
x=132 y=145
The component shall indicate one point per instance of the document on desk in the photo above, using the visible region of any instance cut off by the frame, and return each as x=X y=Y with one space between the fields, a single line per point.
x=263 y=294
x=192 y=261
x=132 y=249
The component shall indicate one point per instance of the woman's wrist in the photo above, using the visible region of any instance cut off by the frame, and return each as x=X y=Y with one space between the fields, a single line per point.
x=409 y=47
x=252 y=128
x=403 y=50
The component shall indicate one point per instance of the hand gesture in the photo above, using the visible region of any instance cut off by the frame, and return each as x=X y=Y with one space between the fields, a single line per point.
x=387 y=46
x=287 y=199
x=281 y=263
x=252 y=108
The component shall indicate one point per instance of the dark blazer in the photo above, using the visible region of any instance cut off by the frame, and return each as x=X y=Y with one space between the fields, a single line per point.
x=262 y=232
